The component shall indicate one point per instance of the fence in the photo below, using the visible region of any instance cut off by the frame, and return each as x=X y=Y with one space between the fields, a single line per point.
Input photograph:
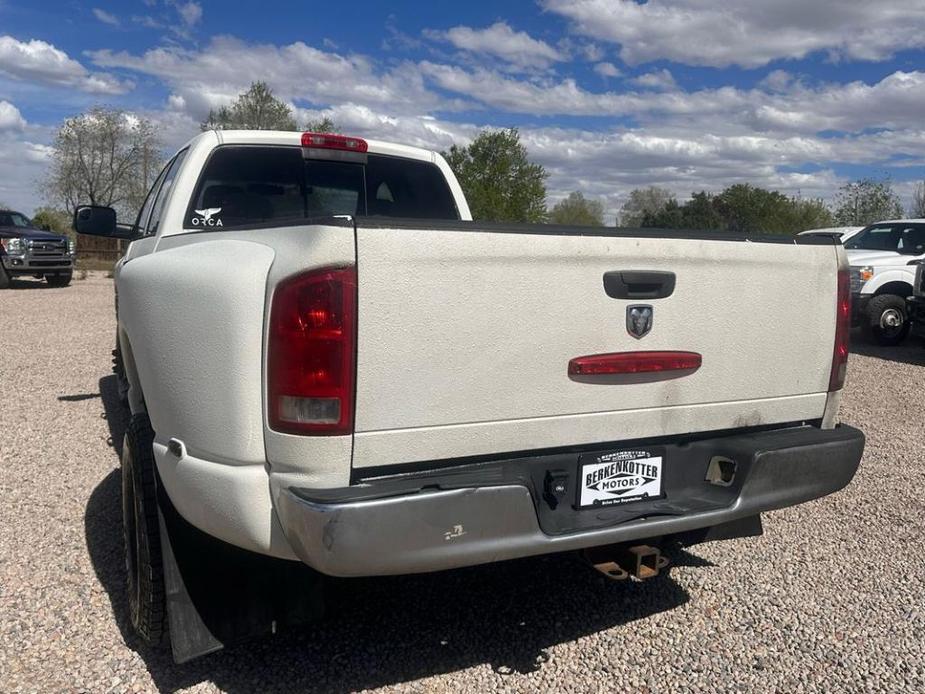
x=99 y=249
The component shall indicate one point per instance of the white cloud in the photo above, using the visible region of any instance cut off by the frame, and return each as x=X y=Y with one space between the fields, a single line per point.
x=147 y=21
x=105 y=17
x=501 y=41
x=417 y=130
x=657 y=79
x=592 y=52
x=897 y=101
x=225 y=67
x=190 y=12
x=750 y=33
x=22 y=163
x=10 y=117
x=777 y=80
x=38 y=61
x=607 y=70
x=768 y=135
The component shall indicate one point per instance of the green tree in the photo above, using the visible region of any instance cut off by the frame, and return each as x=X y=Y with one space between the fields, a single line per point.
x=642 y=202
x=700 y=213
x=103 y=157
x=500 y=182
x=866 y=201
x=671 y=216
x=917 y=209
x=52 y=219
x=255 y=109
x=322 y=125
x=747 y=208
x=742 y=208
x=577 y=210
x=811 y=213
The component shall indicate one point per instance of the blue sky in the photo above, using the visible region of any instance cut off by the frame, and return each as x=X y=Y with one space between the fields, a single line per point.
x=608 y=94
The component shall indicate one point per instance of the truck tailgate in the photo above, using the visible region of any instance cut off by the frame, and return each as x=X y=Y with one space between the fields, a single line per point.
x=465 y=334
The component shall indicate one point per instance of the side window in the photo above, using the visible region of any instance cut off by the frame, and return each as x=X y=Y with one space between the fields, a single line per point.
x=141 y=223
x=408 y=188
x=157 y=209
x=912 y=241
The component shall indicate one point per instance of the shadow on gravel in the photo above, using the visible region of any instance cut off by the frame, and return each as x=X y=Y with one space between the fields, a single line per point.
x=78 y=397
x=391 y=630
x=911 y=351
x=29 y=283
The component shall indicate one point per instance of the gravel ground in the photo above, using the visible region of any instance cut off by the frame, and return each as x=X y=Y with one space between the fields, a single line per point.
x=831 y=598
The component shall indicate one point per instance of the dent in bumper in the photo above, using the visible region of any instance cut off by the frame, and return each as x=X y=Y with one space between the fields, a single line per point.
x=446 y=528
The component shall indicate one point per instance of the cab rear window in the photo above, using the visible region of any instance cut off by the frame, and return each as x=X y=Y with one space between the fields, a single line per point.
x=244 y=185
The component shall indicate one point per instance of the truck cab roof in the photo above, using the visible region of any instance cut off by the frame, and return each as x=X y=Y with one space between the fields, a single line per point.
x=202 y=152
x=16 y=224
x=294 y=138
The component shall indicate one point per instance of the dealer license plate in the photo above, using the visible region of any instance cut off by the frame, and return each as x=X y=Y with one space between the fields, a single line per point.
x=620 y=477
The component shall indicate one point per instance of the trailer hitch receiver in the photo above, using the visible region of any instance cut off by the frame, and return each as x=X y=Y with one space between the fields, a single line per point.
x=619 y=562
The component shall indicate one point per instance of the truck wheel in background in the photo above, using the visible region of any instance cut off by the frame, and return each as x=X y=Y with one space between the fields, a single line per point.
x=887 y=322
x=147 y=603
x=4 y=279
x=60 y=280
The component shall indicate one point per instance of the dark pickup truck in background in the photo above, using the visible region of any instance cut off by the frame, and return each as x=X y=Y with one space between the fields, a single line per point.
x=27 y=250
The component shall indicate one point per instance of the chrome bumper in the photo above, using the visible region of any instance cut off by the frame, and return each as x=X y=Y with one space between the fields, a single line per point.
x=435 y=529
x=29 y=264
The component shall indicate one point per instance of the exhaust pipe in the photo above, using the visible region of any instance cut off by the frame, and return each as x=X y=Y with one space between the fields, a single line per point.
x=619 y=562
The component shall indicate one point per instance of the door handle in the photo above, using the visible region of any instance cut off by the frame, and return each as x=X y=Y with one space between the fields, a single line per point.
x=639 y=284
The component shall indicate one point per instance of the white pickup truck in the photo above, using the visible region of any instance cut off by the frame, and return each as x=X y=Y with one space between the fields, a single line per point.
x=883 y=260
x=326 y=360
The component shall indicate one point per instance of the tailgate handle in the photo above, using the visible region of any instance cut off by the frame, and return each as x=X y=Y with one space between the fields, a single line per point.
x=639 y=284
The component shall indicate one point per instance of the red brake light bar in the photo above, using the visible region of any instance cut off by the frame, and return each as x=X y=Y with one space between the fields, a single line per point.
x=329 y=141
x=633 y=363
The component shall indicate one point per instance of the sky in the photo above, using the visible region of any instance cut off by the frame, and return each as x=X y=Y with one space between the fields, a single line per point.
x=609 y=95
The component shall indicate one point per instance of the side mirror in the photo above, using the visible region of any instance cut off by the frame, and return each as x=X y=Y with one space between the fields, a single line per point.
x=95 y=220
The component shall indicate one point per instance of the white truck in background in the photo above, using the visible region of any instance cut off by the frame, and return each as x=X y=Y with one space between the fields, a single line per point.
x=884 y=258
x=327 y=361
x=841 y=233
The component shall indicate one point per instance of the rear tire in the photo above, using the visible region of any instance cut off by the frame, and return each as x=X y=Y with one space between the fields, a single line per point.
x=887 y=322
x=147 y=604
x=61 y=280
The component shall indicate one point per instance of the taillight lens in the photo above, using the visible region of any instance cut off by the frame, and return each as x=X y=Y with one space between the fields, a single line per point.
x=312 y=353
x=842 y=333
x=633 y=363
x=330 y=141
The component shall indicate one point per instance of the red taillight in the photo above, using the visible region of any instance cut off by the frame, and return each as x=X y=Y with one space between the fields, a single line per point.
x=633 y=363
x=329 y=141
x=842 y=332
x=311 y=353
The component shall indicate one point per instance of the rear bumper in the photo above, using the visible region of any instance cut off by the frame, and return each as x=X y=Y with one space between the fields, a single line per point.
x=465 y=516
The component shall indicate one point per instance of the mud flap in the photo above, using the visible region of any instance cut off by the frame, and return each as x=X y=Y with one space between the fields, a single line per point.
x=219 y=595
x=189 y=636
